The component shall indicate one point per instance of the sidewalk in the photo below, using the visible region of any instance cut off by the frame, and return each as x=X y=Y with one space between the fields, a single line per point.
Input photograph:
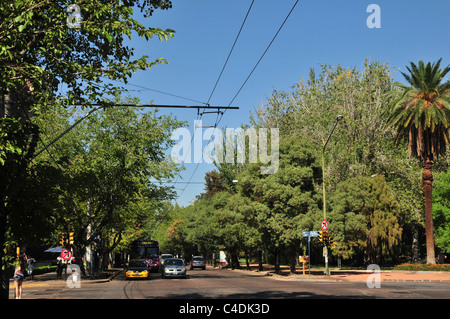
x=393 y=276
x=351 y=275
x=49 y=279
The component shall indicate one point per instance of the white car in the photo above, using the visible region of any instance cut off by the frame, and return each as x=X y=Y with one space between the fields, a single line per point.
x=174 y=267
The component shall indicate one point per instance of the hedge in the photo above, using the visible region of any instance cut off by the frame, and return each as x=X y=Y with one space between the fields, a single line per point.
x=423 y=267
x=42 y=270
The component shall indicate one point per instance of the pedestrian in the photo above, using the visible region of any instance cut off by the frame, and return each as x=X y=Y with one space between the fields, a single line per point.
x=59 y=267
x=30 y=266
x=19 y=275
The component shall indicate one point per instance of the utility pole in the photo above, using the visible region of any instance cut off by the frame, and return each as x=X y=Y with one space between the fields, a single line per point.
x=325 y=248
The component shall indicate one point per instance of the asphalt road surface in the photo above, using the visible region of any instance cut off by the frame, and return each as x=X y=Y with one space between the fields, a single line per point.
x=228 y=284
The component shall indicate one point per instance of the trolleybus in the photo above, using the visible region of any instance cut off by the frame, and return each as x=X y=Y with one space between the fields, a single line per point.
x=147 y=250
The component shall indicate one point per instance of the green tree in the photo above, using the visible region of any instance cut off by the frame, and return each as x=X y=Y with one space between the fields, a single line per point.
x=213 y=184
x=110 y=167
x=421 y=114
x=40 y=52
x=193 y=230
x=441 y=211
x=289 y=197
x=365 y=220
x=310 y=108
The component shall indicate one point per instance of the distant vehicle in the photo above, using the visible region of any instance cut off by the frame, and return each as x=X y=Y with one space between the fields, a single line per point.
x=148 y=250
x=174 y=267
x=137 y=268
x=162 y=258
x=198 y=262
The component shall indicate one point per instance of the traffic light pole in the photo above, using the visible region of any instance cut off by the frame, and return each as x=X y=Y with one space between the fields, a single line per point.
x=325 y=248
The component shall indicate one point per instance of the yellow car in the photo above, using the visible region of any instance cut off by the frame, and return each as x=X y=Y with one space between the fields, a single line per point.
x=137 y=269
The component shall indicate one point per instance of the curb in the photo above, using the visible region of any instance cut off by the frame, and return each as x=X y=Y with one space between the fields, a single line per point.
x=62 y=283
x=346 y=278
x=113 y=276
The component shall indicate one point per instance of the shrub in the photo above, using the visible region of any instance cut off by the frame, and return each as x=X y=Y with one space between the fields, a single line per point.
x=423 y=267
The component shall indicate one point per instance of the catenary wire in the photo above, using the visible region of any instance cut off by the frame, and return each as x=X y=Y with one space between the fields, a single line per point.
x=212 y=92
x=218 y=120
x=231 y=51
x=262 y=56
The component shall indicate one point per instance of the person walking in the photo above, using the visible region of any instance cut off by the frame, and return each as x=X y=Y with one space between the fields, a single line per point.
x=30 y=266
x=59 y=267
x=18 y=276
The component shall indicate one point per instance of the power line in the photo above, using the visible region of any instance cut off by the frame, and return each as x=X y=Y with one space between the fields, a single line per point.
x=218 y=120
x=216 y=123
x=264 y=53
x=165 y=93
x=170 y=106
x=231 y=51
x=262 y=56
x=102 y=106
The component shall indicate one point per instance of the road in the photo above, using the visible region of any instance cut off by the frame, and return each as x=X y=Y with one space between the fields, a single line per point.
x=228 y=284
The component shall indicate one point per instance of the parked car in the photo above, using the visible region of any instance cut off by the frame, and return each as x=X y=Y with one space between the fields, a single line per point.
x=137 y=268
x=174 y=267
x=198 y=262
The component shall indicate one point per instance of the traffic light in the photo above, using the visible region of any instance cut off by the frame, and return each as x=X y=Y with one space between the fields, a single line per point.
x=321 y=236
x=71 y=238
x=63 y=241
x=330 y=241
x=325 y=237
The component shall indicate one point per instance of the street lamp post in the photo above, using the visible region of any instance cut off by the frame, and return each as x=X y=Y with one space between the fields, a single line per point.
x=325 y=249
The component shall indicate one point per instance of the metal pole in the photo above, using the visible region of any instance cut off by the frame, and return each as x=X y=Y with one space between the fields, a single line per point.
x=325 y=249
x=100 y=106
x=65 y=132
x=309 y=254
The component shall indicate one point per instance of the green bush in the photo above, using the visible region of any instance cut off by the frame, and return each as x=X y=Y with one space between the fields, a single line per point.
x=423 y=267
x=42 y=270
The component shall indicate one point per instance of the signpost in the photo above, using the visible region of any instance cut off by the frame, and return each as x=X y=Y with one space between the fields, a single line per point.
x=310 y=234
x=66 y=254
x=324 y=226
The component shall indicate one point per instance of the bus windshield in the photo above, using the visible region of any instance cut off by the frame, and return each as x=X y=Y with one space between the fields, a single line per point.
x=144 y=249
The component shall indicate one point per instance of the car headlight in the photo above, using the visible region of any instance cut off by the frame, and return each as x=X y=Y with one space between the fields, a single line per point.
x=183 y=269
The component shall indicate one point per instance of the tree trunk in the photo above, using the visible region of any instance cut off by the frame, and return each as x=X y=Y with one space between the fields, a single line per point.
x=247 y=262
x=292 y=264
x=260 y=260
x=428 y=187
x=277 y=260
x=4 y=280
x=415 y=244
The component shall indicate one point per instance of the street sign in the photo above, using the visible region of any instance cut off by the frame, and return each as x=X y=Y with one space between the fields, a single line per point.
x=312 y=233
x=66 y=254
x=324 y=225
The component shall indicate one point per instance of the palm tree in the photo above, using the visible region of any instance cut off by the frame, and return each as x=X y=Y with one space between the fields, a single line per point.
x=421 y=115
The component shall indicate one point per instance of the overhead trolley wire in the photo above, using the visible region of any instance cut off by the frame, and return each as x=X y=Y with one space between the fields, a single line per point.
x=262 y=56
x=216 y=123
x=218 y=120
x=165 y=93
x=231 y=51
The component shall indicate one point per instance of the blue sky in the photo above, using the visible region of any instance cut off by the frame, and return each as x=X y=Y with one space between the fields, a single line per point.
x=326 y=31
